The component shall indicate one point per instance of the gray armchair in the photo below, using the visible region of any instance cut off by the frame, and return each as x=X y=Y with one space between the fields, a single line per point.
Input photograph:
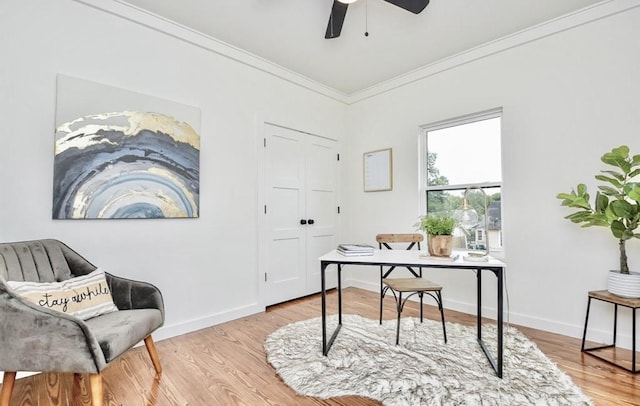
x=33 y=338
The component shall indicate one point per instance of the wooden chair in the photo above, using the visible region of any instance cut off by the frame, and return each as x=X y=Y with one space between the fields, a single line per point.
x=416 y=285
x=413 y=239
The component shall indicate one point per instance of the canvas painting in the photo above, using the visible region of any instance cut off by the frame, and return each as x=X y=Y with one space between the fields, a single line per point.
x=121 y=154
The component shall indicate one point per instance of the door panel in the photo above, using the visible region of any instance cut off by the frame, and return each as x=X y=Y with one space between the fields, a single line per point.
x=285 y=159
x=284 y=250
x=322 y=206
x=300 y=183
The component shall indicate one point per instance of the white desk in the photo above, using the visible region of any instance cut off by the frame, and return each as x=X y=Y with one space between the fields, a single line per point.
x=404 y=258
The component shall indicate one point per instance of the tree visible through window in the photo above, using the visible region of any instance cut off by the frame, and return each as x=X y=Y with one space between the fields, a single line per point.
x=462 y=154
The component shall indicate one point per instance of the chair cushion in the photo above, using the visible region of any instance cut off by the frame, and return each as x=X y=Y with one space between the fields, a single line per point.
x=84 y=296
x=411 y=284
x=117 y=332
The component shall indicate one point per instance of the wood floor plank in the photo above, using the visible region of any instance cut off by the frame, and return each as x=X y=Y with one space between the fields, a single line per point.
x=226 y=364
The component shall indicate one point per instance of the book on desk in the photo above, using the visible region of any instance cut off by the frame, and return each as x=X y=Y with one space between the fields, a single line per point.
x=351 y=250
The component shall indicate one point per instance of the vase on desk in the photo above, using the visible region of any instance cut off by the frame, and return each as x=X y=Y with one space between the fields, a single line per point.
x=439 y=245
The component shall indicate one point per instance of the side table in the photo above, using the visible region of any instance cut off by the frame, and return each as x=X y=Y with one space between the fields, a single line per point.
x=633 y=304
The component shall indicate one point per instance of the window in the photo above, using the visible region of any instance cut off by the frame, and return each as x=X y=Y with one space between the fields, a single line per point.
x=463 y=154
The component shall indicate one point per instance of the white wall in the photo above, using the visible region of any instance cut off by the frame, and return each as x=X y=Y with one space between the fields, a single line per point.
x=567 y=98
x=577 y=87
x=205 y=267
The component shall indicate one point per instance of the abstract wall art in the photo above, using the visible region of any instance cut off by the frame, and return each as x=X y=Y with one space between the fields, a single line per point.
x=121 y=154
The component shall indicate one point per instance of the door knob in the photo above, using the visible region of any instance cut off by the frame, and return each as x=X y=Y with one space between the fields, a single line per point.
x=303 y=221
x=311 y=221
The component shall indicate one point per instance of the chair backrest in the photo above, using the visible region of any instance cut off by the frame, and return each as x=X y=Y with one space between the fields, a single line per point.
x=40 y=261
x=412 y=239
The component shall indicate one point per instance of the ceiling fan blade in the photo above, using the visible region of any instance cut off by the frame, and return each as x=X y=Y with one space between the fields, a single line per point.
x=336 y=19
x=415 y=6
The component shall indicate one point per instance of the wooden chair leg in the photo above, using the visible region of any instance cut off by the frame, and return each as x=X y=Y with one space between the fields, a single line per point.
x=7 y=387
x=153 y=354
x=78 y=381
x=97 y=395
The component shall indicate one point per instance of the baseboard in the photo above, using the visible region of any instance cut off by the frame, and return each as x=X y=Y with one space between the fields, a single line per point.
x=19 y=375
x=596 y=335
x=189 y=326
x=624 y=338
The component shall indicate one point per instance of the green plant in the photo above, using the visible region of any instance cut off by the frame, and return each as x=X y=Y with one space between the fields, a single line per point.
x=436 y=224
x=617 y=203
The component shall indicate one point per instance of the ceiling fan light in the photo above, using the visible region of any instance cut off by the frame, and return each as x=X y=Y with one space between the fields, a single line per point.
x=347 y=1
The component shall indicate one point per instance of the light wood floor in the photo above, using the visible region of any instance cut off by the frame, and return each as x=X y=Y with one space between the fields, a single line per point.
x=226 y=365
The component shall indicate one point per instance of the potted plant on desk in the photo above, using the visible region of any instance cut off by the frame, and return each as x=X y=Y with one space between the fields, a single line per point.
x=439 y=229
x=616 y=206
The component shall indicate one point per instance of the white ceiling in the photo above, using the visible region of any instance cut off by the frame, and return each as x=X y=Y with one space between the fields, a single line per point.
x=290 y=33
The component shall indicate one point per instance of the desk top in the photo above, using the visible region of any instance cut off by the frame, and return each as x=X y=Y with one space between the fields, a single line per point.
x=410 y=258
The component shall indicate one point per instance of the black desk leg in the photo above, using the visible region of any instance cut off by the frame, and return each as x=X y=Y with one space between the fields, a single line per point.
x=339 y=296
x=479 y=304
x=323 y=287
x=326 y=345
x=500 y=276
x=496 y=363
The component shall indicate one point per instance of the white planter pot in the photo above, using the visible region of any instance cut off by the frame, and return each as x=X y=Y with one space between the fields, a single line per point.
x=624 y=285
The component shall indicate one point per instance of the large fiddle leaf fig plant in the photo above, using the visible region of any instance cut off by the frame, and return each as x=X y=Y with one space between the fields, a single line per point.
x=617 y=202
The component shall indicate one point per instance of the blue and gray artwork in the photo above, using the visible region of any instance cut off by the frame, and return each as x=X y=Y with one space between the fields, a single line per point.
x=126 y=165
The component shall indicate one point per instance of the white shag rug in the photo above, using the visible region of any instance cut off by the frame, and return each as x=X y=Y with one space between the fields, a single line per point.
x=422 y=370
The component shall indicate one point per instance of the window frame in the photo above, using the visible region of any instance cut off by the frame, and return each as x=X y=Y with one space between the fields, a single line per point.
x=423 y=154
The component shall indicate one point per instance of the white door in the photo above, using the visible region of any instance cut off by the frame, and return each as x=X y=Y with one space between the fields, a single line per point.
x=322 y=208
x=300 y=214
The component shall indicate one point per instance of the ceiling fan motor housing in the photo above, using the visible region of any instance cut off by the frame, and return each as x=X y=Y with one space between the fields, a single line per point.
x=339 y=11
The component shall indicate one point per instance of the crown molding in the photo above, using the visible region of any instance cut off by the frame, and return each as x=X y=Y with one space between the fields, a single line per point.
x=160 y=24
x=178 y=31
x=575 y=19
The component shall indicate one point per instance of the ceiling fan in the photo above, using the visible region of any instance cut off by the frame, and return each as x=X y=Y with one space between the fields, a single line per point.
x=339 y=10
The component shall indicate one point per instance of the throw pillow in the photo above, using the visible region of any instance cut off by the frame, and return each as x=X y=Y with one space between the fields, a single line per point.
x=84 y=296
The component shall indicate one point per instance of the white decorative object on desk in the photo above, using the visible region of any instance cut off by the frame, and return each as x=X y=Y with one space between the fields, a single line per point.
x=450 y=258
x=476 y=257
x=624 y=285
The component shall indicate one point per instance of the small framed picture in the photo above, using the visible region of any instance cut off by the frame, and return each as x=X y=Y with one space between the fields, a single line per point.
x=378 y=170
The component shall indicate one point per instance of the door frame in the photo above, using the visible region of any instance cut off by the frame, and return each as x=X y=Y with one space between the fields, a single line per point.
x=261 y=235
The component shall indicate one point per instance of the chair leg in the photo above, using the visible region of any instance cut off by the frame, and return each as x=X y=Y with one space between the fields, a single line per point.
x=153 y=354
x=444 y=328
x=381 y=294
x=399 y=304
x=7 y=387
x=97 y=395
